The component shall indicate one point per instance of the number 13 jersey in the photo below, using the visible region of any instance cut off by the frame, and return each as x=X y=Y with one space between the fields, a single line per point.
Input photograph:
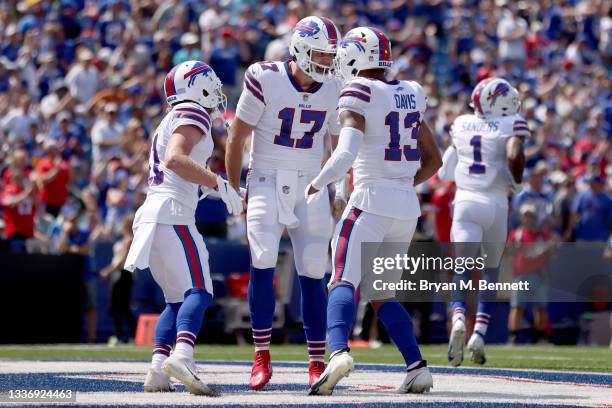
x=290 y=122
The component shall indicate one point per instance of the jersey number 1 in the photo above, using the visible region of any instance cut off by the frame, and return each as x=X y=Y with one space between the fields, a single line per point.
x=394 y=152
x=307 y=116
x=477 y=167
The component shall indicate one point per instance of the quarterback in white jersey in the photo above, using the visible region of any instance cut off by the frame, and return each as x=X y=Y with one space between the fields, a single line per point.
x=386 y=141
x=485 y=160
x=165 y=237
x=288 y=108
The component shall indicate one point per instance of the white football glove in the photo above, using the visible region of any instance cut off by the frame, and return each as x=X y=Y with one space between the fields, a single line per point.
x=229 y=196
x=311 y=197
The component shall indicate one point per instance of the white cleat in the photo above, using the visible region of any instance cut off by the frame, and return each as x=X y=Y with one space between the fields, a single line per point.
x=184 y=370
x=476 y=348
x=456 y=343
x=340 y=365
x=157 y=381
x=418 y=380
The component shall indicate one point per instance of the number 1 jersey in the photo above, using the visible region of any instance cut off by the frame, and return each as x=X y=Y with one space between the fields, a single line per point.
x=481 y=173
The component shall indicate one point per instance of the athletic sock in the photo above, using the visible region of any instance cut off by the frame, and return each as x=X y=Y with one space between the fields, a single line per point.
x=189 y=320
x=399 y=326
x=458 y=309
x=261 y=305
x=165 y=333
x=482 y=323
x=314 y=316
x=340 y=316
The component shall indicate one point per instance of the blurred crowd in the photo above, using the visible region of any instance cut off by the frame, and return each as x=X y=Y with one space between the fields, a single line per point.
x=81 y=92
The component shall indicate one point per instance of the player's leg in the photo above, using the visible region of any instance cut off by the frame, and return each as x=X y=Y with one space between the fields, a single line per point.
x=182 y=256
x=494 y=219
x=310 y=245
x=165 y=333
x=397 y=321
x=356 y=227
x=264 y=234
x=466 y=235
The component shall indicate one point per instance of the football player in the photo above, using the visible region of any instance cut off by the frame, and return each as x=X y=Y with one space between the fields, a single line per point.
x=485 y=159
x=390 y=147
x=288 y=108
x=165 y=236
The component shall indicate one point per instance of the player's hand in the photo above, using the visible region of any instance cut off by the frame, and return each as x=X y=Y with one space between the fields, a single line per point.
x=339 y=206
x=310 y=193
x=230 y=197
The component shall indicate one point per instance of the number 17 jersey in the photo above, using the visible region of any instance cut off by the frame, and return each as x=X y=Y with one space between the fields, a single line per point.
x=290 y=122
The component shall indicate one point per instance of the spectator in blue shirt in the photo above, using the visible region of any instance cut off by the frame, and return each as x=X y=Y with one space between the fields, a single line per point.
x=592 y=212
x=533 y=192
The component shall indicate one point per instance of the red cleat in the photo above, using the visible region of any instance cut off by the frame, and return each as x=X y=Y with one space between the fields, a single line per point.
x=315 y=369
x=261 y=371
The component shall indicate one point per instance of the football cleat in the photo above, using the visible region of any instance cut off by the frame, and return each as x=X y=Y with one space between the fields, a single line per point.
x=315 y=369
x=157 y=381
x=340 y=365
x=261 y=371
x=456 y=343
x=476 y=348
x=184 y=370
x=418 y=380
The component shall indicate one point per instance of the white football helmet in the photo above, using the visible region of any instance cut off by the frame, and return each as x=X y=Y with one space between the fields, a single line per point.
x=495 y=97
x=363 y=48
x=314 y=34
x=195 y=81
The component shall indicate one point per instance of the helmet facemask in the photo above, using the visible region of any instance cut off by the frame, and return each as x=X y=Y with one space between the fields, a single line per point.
x=318 y=71
x=344 y=68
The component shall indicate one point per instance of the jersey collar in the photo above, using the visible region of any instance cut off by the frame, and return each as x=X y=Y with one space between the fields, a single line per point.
x=314 y=88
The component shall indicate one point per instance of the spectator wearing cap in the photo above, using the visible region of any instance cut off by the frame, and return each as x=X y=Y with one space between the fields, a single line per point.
x=67 y=137
x=189 y=49
x=211 y=19
x=10 y=47
x=83 y=78
x=106 y=135
x=53 y=174
x=564 y=189
x=533 y=192
x=225 y=59
x=112 y=24
x=19 y=202
x=592 y=211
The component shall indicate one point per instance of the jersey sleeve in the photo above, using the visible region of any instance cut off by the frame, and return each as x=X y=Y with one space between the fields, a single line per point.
x=252 y=100
x=190 y=114
x=354 y=97
x=520 y=127
x=421 y=96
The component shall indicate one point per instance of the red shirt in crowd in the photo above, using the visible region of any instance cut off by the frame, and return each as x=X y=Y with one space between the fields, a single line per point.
x=441 y=201
x=20 y=218
x=530 y=257
x=55 y=192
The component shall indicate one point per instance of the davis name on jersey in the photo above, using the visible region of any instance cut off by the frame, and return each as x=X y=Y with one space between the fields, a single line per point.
x=389 y=156
x=290 y=122
x=481 y=155
x=164 y=183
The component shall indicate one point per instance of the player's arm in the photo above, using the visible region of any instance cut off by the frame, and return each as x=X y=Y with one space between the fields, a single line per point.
x=180 y=145
x=430 y=155
x=516 y=158
x=341 y=160
x=234 y=149
x=449 y=163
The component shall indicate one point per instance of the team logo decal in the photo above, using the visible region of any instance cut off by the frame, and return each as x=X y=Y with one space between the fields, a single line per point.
x=307 y=29
x=501 y=89
x=357 y=41
x=198 y=69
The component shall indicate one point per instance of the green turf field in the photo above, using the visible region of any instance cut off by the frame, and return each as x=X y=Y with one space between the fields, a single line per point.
x=595 y=359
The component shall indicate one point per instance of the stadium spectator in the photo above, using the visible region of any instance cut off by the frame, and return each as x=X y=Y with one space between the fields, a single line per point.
x=19 y=202
x=189 y=50
x=533 y=192
x=592 y=211
x=53 y=174
x=83 y=78
x=106 y=135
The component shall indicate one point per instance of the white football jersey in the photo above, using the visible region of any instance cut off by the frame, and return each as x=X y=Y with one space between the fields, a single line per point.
x=290 y=122
x=481 y=173
x=388 y=158
x=164 y=183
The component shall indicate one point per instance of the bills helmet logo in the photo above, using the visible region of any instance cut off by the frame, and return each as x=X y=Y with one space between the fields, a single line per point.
x=307 y=29
x=357 y=41
x=198 y=69
x=501 y=89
